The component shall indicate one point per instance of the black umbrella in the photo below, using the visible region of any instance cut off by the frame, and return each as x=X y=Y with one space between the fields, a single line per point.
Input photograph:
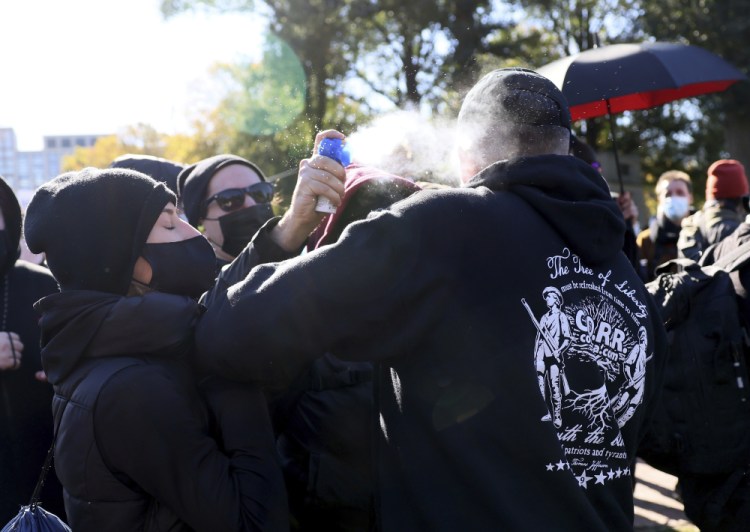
x=627 y=77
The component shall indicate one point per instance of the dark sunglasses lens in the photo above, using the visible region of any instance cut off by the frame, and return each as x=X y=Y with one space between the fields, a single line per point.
x=230 y=199
x=261 y=192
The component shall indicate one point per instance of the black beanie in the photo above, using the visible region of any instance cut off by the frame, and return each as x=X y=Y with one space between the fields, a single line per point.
x=92 y=225
x=158 y=168
x=193 y=181
x=516 y=96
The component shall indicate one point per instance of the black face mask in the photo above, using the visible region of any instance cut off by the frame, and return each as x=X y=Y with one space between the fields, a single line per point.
x=186 y=268
x=240 y=226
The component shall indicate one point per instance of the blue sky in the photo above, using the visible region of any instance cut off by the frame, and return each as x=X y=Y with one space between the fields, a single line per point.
x=97 y=66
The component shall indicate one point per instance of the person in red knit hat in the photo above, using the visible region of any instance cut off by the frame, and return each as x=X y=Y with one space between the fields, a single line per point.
x=725 y=208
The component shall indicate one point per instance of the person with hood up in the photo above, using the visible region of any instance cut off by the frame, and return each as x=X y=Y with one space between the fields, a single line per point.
x=229 y=200
x=25 y=395
x=444 y=293
x=140 y=445
x=157 y=168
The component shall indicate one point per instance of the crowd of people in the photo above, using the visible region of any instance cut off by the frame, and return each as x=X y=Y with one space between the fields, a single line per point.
x=679 y=230
x=425 y=358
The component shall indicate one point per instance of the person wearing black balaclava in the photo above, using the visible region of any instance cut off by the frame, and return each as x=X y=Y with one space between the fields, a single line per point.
x=143 y=443
x=25 y=396
x=229 y=200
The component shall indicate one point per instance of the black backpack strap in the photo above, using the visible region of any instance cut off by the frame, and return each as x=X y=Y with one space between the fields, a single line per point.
x=735 y=259
x=47 y=463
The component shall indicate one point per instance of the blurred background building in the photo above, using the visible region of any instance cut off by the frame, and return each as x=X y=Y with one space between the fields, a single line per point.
x=24 y=171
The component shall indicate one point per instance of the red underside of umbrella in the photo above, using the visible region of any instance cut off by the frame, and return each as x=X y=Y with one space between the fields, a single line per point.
x=646 y=100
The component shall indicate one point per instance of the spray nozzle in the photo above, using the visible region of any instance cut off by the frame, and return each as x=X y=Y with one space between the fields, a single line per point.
x=335 y=149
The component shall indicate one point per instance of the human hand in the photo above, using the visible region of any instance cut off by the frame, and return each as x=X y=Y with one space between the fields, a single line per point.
x=318 y=176
x=11 y=351
x=628 y=208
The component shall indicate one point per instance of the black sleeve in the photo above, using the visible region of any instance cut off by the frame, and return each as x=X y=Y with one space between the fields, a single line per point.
x=148 y=429
x=371 y=295
x=261 y=250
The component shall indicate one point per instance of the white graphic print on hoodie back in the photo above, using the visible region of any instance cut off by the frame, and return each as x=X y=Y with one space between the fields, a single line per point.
x=590 y=355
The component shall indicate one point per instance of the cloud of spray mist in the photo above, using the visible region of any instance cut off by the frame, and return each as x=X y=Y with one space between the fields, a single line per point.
x=409 y=145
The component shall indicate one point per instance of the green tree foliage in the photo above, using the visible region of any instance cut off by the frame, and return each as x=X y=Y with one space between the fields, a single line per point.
x=264 y=97
x=361 y=58
x=311 y=29
x=417 y=52
x=688 y=134
x=406 y=52
x=577 y=25
x=722 y=27
x=138 y=139
x=572 y=26
x=100 y=155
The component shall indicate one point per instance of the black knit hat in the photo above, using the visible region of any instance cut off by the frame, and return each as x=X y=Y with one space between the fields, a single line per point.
x=518 y=96
x=92 y=225
x=158 y=168
x=193 y=181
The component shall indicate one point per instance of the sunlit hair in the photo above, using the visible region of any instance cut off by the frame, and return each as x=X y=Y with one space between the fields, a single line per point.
x=672 y=175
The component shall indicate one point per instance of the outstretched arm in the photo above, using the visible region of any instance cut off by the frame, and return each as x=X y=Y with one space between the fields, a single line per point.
x=369 y=295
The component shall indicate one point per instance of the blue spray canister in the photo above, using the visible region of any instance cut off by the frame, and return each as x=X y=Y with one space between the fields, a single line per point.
x=337 y=150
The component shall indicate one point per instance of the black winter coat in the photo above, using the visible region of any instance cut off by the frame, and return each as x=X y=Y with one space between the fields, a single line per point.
x=518 y=351
x=25 y=414
x=140 y=447
x=25 y=402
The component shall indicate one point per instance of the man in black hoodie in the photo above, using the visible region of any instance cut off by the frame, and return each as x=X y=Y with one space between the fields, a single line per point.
x=444 y=291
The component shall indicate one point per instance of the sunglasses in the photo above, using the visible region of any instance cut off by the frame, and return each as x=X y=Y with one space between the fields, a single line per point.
x=233 y=199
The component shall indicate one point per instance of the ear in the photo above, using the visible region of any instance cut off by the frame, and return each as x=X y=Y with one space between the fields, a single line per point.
x=142 y=271
x=467 y=166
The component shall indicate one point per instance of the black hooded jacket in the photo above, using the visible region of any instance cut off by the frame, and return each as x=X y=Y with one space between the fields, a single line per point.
x=449 y=292
x=140 y=446
x=26 y=427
